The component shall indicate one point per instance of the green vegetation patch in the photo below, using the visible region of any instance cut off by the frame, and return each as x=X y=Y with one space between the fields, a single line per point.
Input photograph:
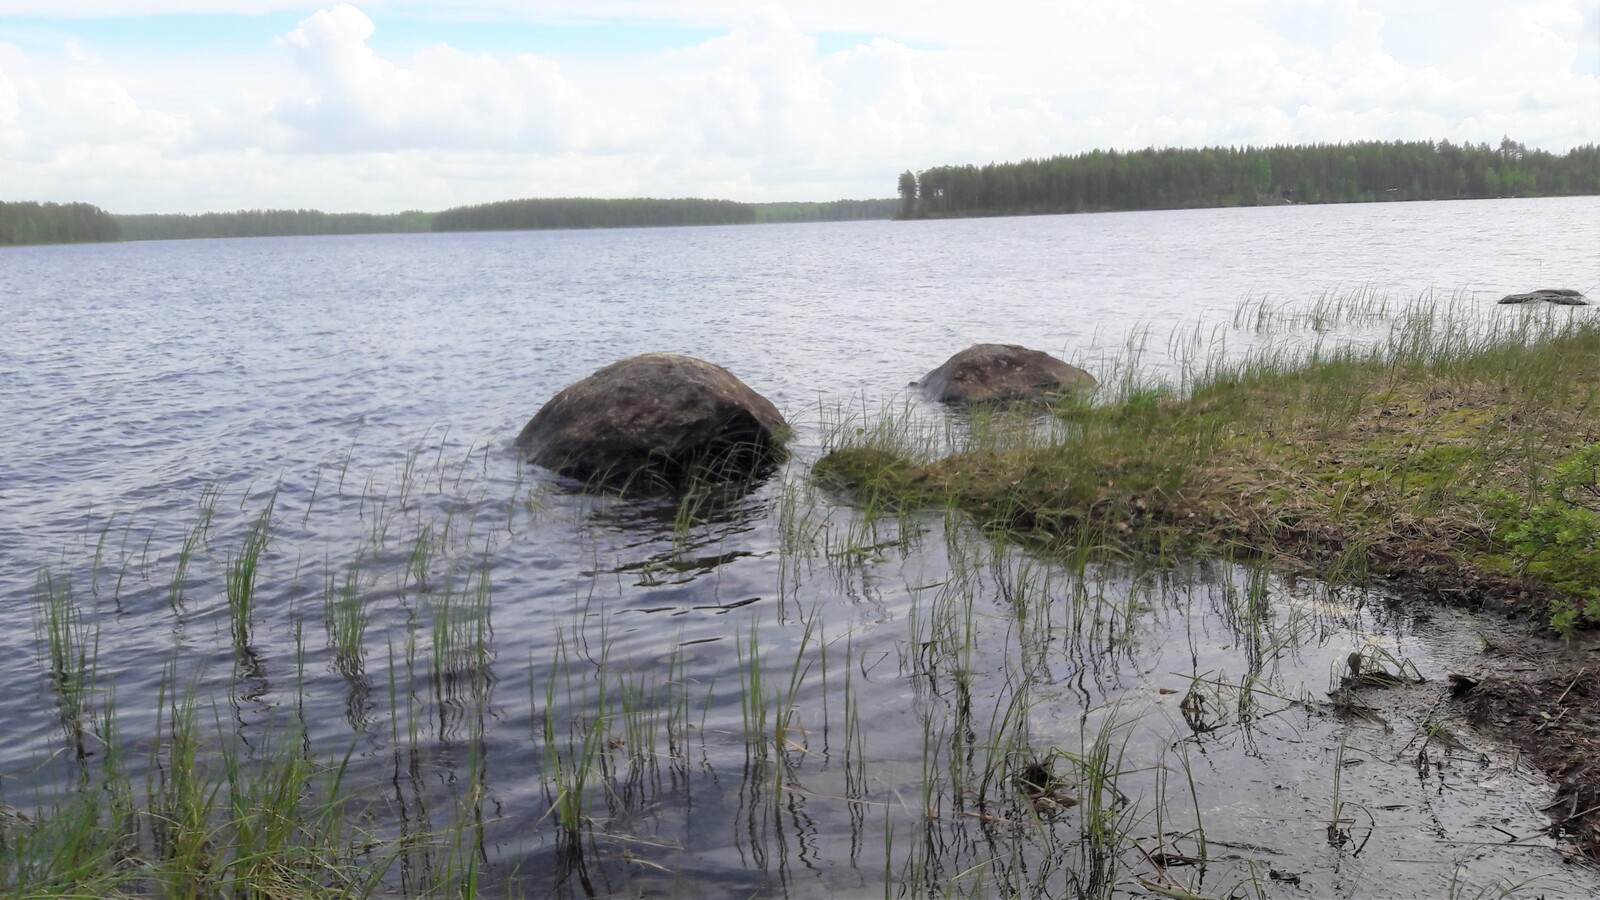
x=1466 y=464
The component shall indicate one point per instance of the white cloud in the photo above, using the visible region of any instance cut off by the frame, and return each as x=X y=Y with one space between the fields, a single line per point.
x=325 y=117
x=9 y=107
x=67 y=111
x=756 y=91
x=354 y=100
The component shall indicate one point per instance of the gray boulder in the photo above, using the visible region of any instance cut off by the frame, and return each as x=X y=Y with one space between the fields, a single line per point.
x=1558 y=296
x=658 y=419
x=1002 y=372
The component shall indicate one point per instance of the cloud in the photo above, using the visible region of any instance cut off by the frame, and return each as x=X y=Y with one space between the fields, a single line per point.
x=70 y=108
x=755 y=91
x=327 y=113
x=9 y=106
x=354 y=100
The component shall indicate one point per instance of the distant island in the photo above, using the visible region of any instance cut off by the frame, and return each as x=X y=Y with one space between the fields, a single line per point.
x=1098 y=181
x=63 y=223
x=1366 y=171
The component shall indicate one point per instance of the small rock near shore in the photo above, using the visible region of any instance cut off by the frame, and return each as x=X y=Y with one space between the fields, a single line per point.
x=1558 y=296
x=1002 y=372
x=658 y=419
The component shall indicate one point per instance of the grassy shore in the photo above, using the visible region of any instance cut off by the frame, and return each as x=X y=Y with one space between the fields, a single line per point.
x=1449 y=451
x=1448 y=455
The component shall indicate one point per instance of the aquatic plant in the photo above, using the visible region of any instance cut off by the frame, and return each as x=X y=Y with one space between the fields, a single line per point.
x=241 y=571
x=71 y=655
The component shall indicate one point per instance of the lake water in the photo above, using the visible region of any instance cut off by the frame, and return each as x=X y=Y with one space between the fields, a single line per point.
x=162 y=395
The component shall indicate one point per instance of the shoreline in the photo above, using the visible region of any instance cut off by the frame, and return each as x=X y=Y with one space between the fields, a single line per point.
x=1448 y=467
x=937 y=217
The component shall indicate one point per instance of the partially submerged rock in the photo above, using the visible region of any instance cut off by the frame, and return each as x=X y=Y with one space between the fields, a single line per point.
x=656 y=419
x=1002 y=372
x=1558 y=296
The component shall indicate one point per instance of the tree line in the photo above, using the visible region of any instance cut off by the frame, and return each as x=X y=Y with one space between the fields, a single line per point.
x=1103 y=180
x=1086 y=182
x=835 y=211
x=580 y=212
x=56 y=223
x=265 y=223
x=27 y=222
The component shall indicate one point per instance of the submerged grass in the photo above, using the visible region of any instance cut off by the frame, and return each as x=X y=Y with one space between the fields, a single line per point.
x=216 y=819
x=218 y=787
x=1450 y=450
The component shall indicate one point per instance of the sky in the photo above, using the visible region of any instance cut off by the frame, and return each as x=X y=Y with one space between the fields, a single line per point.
x=387 y=105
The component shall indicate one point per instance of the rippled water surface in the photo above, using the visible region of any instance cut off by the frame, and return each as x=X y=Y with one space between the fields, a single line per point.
x=770 y=694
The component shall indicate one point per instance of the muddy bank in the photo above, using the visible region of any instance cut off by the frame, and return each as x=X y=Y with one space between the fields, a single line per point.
x=1543 y=696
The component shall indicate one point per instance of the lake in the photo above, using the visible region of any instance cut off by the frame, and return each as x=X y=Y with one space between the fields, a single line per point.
x=764 y=694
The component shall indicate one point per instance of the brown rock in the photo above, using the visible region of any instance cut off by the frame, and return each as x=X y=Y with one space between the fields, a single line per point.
x=1558 y=296
x=1002 y=372
x=657 y=418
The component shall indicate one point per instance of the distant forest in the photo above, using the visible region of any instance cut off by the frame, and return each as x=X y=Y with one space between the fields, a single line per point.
x=530 y=214
x=578 y=212
x=1249 y=176
x=836 y=211
x=55 y=223
x=265 y=223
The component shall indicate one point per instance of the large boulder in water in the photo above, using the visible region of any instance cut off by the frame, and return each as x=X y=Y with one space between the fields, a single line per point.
x=656 y=419
x=1558 y=296
x=1003 y=372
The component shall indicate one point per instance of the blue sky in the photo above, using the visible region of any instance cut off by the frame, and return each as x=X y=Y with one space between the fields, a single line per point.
x=401 y=33
x=153 y=105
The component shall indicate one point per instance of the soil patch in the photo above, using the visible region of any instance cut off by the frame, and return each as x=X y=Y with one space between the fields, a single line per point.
x=1543 y=696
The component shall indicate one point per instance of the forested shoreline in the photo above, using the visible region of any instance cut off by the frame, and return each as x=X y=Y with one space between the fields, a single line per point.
x=581 y=212
x=835 y=211
x=35 y=223
x=265 y=223
x=1106 y=180
x=27 y=222
x=1097 y=181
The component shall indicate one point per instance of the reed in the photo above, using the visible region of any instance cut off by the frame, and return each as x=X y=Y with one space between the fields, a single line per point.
x=424 y=549
x=182 y=797
x=192 y=543
x=241 y=572
x=346 y=615
x=70 y=658
x=753 y=697
x=572 y=753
